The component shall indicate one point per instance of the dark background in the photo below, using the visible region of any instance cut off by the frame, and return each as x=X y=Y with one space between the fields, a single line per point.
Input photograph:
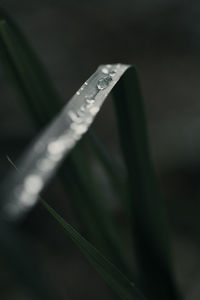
x=162 y=38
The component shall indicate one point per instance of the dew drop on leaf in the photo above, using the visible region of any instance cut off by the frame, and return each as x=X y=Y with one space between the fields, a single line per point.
x=105 y=70
x=104 y=82
x=33 y=184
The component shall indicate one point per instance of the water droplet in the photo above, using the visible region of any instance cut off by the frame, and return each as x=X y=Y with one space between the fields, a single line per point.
x=79 y=114
x=56 y=147
x=79 y=128
x=89 y=102
x=33 y=184
x=89 y=99
x=104 y=82
x=105 y=70
x=94 y=110
x=83 y=107
x=45 y=164
x=88 y=120
x=26 y=199
x=112 y=73
x=74 y=117
x=81 y=88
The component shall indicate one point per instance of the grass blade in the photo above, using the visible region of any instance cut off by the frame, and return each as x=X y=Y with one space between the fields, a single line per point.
x=117 y=281
x=94 y=211
x=48 y=151
x=64 y=133
x=148 y=214
x=30 y=77
x=114 y=173
x=43 y=103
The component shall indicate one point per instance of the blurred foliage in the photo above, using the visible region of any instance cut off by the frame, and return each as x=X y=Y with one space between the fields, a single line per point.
x=139 y=186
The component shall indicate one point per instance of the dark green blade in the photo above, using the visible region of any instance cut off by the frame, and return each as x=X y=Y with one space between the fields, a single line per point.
x=30 y=76
x=94 y=211
x=115 y=174
x=148 y=213
x=115 y=279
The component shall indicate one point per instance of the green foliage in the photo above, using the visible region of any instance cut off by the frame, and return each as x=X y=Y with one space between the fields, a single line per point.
x=148 y=213
x=145 y=206
x=118 y=282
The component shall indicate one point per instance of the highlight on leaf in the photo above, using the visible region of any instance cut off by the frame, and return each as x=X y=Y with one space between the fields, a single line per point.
x=48 y=151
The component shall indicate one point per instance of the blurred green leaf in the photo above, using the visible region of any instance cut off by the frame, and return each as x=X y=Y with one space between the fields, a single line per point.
x=28 y=73
x=116 y=280
x=148 y=214
x=94 y=211
x=147 y=206
x=115 y=174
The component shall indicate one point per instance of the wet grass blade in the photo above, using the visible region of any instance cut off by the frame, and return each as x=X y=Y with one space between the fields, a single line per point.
x=148 y=213
x=43 y=103
x=66 y=130
x=32 y=80
x=115 y=279
x=50 y=148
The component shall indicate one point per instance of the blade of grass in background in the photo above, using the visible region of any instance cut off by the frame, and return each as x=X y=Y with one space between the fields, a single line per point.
x=33 y=82
x=148 y=214
x=152 y=245
x=79 y=175
x=115 y=174
x=116 y=280
x=29 y=75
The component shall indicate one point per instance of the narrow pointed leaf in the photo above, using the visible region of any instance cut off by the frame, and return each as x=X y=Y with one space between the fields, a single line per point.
x=49 y=150
x=94 y=211
x=117 y=281
x=29 y=74
x=148 y=213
